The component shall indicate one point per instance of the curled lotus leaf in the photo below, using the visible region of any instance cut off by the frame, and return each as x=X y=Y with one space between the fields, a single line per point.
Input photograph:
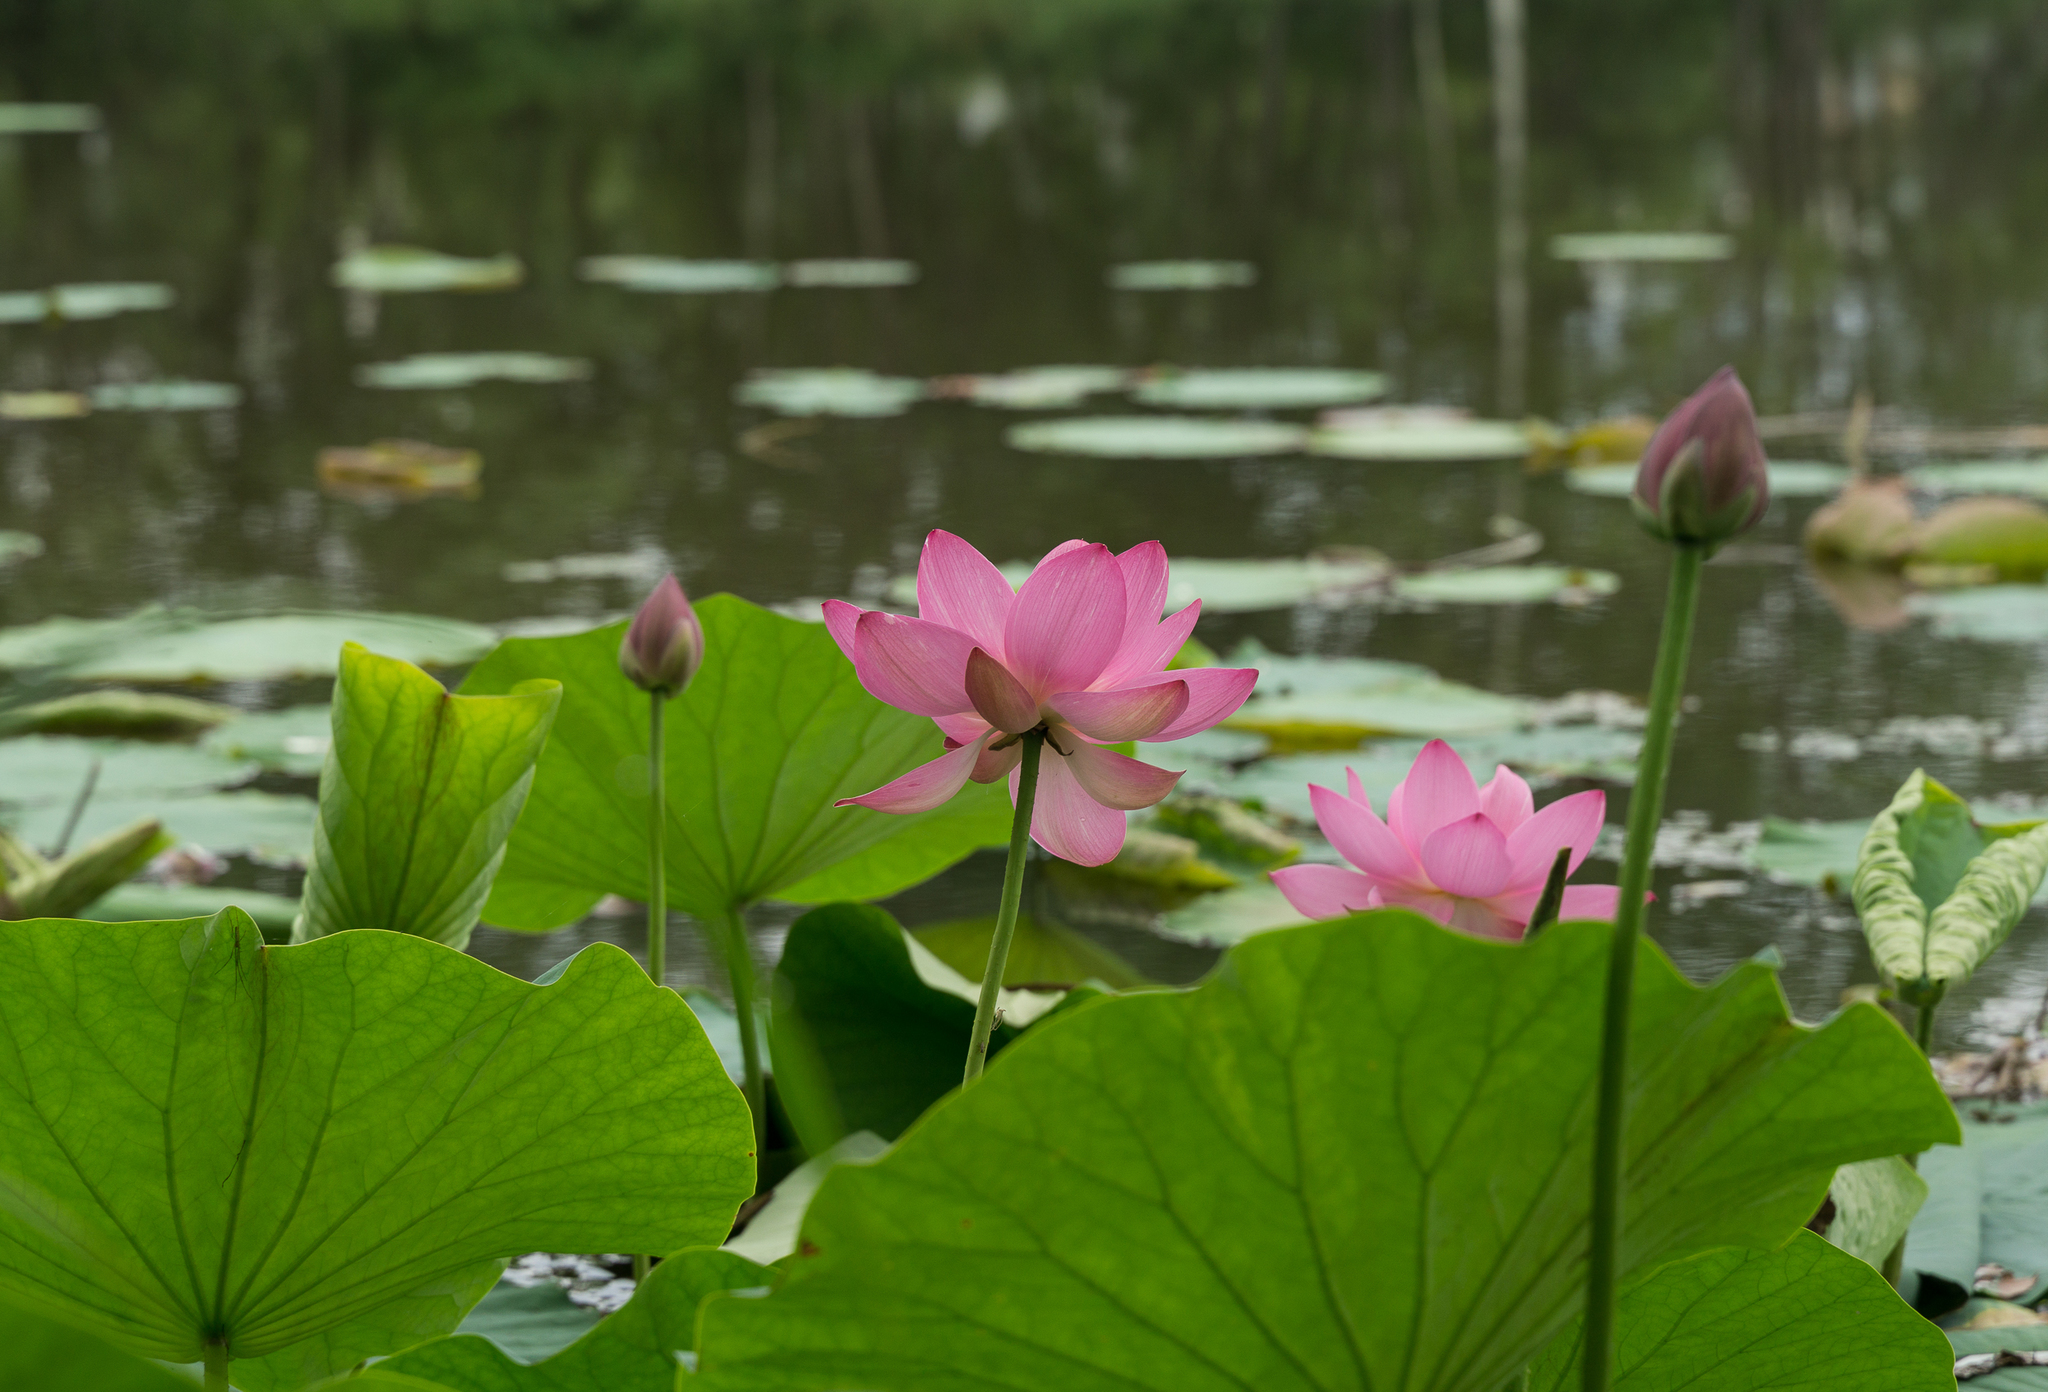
x=1937 y=891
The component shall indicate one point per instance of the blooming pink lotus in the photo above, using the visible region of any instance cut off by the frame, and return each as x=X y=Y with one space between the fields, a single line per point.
x=1078 y=652
x=1471 y=857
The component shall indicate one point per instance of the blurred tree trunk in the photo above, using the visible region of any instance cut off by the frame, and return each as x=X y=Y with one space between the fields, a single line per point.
x=757 y=201
x=864 y=181
x=1433 y=87
x=1511 y=227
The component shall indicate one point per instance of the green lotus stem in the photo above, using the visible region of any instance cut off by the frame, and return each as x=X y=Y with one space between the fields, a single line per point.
x=1006 y=916
x=739 y=970
x=1645 y=811
x=217 y=1366
x=1923 y=1027
x=657 y=844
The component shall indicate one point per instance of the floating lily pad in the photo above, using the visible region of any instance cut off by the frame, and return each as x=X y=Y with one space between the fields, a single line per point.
x=397 y=270
x=1157 y=437
x=645 y=565
x=48 y=118
x=1182 y=275
x=142 y=902
x=1642 y=246
x=270 y=828
x=668 y=275
x=1336 y=702
x=293 y=740
x=1260 y=388
x=43 y=405
x=180 y=646
x=1989 y=613
x=399 y=468
x=850 y=273
x=87 y=301
x=19 y=546
x=167 y=395
x=427 y=371
x=118 y=713
x=1032 y=388
x=2024 y=476
x=828 y=391
x=1220 y=920
x=1417 y=434
x=1246 y=586
x=1790 y=478
x=1507 y=584
x=1819 y=854
x=38 y=771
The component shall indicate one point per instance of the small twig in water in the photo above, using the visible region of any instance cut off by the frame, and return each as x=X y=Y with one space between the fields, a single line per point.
x=92 y=780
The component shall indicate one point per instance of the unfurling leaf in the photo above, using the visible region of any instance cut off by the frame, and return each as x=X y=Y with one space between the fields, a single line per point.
x=418 y=797
x=1937 y=892
x=318 y=1153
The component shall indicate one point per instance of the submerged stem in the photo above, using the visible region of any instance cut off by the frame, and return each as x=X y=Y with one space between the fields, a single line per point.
x=1645 y=811
x=1006 y=915
x=739 y=971
x=657 y=844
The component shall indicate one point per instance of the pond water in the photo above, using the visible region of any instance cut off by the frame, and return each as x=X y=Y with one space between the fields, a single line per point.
x=1901 y=260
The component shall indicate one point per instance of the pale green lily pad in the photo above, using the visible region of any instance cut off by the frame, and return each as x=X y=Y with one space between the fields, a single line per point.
x=1182 y=275
x=669 y=275
x=771 y=1234
x=1416 y=434
x=1642 y=246
x=2022 y=476
x=1336 y=701
x=48 y=118
x=1820 y=854
x=1260 y=388
x=1034 y=388
x=142 y=902
x=1988 y=613
x=19 y=546
x=293 y=740
x=850 y=273
x=1229 y=917
x=166 y=395
x=1507 y=584
x=389 y=270
x=1789 y=478
x=828 y=391
x=88 y=301
x=182 y=646
x=430 y=371
x=119 y=713
x=1246 y=586
x=49 y=770
x=270 y=828
x=642 y=567
x=1157 y=437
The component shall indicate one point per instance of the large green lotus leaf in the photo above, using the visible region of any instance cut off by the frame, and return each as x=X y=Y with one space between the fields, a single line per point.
x=529 y=1322
x=418 y=799
x=863 y=1039
x=772 y=732
x=1259 y=388
x=1936 y=891
x=1806 y=1317
x=1157 y=437
x=120 y=713
x=771 y=1234
x=32 y=886
x=1359 y=1155
x=631 y=1350
x=323 y=1152
x=44 y=1355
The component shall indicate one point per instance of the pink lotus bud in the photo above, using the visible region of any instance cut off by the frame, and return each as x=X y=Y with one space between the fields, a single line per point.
x=1703 y=477
x=665 y=645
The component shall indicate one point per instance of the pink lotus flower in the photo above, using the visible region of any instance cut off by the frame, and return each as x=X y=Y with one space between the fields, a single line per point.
x=1079 y=651
x=1471 y=857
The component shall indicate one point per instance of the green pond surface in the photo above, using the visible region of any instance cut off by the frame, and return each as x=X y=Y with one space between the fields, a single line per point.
x=1887 y=246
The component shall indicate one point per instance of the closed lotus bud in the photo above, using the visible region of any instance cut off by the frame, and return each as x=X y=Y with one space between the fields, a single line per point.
x=1704 y=477
x=665 y=644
